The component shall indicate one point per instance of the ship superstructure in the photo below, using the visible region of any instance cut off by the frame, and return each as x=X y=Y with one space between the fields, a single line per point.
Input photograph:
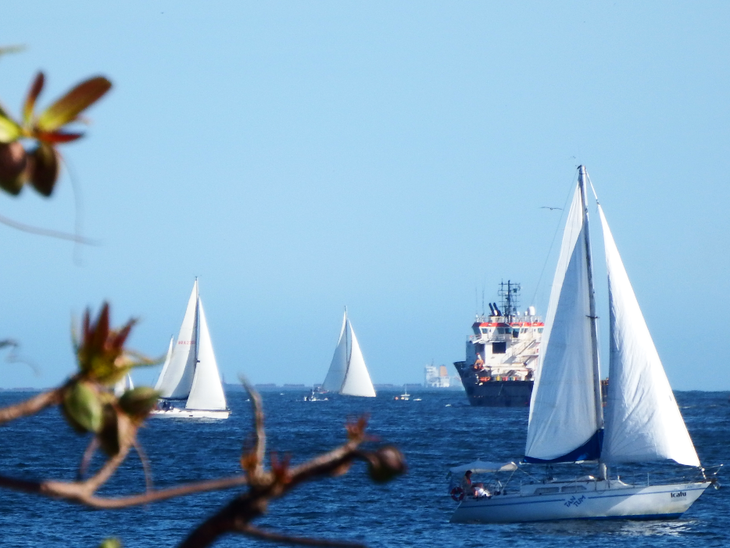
x=502 y=352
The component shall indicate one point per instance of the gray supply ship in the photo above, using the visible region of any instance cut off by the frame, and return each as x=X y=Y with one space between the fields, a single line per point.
x=502 y=353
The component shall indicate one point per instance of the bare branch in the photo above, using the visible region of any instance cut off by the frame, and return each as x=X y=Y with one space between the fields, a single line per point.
x=253 y=461
x=78 y=492
x=46 y=232
x=32 y=405
x=145 y=464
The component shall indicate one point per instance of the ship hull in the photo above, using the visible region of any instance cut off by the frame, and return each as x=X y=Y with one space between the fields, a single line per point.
x=175 y=413
x=494 y=393
x=600 y=502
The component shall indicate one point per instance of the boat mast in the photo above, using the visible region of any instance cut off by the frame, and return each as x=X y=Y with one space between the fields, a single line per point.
x=348 y=349
x=582 y=176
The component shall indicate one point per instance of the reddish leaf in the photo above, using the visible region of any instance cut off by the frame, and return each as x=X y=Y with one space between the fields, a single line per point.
x=43 y=167
x=68 y=107
x=33 y=93
x=56 y=137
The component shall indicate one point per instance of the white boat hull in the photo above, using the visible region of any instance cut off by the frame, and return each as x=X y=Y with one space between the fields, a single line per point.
x=190 y=413
x=600 y=500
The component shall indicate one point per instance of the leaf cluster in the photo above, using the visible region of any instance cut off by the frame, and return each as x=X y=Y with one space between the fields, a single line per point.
x=39 y=165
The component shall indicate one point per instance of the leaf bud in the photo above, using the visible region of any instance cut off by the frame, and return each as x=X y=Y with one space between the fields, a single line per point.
x=82 y=407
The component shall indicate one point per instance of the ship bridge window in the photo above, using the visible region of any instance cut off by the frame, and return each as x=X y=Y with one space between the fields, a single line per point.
x=539 y=329
x=515 y=333
x=502 y=330
x=499 y=347
x=485 y=330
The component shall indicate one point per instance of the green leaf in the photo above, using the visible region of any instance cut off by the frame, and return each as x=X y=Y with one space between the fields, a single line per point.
x=68 y=107
x=33 y=93
x=81 y=404
x=9 y=130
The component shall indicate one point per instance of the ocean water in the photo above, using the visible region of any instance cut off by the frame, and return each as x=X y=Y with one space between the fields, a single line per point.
x=440 y=431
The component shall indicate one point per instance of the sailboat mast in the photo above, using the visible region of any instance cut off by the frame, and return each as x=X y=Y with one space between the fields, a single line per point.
x=348 y=349
x=196 y=325
x=592 y=301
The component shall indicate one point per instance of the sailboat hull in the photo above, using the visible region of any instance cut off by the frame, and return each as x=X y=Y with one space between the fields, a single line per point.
x=590 y=500
x=190 y=414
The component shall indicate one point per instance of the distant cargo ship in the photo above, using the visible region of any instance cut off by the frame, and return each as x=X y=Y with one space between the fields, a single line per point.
x=502 y=352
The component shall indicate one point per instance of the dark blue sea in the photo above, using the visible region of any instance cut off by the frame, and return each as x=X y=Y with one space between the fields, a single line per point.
x=439 y=431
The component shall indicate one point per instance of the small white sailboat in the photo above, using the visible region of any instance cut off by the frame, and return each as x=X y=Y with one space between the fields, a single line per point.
x=405 y=396
x=123 y=384
x=348 y=375
x=643 y=423
x=190 y=373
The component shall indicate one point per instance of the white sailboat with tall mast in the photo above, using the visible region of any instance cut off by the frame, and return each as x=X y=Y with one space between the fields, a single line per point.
x=348 y=375
x=566 y=425
x=190 y=373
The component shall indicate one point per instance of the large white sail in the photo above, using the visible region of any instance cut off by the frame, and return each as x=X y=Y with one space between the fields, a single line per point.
x=207 y=390
x=177 y=378
x=348 y=374
x=563 y=416
x=338 y=367
x=643 y=422
x=357 y=381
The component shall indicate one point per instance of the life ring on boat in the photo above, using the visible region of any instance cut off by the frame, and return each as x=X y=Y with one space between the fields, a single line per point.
x=457 y=493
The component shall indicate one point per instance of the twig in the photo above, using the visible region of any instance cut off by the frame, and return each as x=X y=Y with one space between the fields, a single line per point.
x=32 y=405
x=47 y=232
x=78 y=492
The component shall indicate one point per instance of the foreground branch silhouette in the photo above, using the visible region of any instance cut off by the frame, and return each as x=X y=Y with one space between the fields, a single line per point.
x=90 y=406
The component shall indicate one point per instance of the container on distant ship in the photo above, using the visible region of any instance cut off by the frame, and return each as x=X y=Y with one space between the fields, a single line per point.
x=502 y=353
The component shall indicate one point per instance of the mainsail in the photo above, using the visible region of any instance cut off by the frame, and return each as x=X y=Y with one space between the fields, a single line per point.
x=348 y=373
x=207 y=390
x=643 y=422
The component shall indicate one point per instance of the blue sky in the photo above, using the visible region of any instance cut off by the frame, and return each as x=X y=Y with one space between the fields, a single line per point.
x=393 y=157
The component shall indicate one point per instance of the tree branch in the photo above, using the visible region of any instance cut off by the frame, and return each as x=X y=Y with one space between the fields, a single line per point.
x=32 y=405
x=78 y=492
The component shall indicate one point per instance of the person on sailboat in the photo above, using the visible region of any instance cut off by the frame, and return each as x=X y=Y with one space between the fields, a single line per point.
x=481 y=491
x=466 y=485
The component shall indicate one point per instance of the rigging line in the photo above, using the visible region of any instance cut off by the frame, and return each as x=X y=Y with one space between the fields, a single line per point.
x=555 y=235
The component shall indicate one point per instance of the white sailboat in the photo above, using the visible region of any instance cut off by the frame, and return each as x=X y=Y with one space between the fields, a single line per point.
x=348 y=375
x=643 y=423
x=190 y=372
x=123 y=384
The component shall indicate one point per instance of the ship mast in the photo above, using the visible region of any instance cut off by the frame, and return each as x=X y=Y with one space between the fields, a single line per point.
x=509 y=292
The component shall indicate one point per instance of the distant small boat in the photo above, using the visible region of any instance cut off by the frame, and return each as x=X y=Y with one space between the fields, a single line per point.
x=348 y=375
x=190 y=373
x=315 y=395
x=405 y=396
